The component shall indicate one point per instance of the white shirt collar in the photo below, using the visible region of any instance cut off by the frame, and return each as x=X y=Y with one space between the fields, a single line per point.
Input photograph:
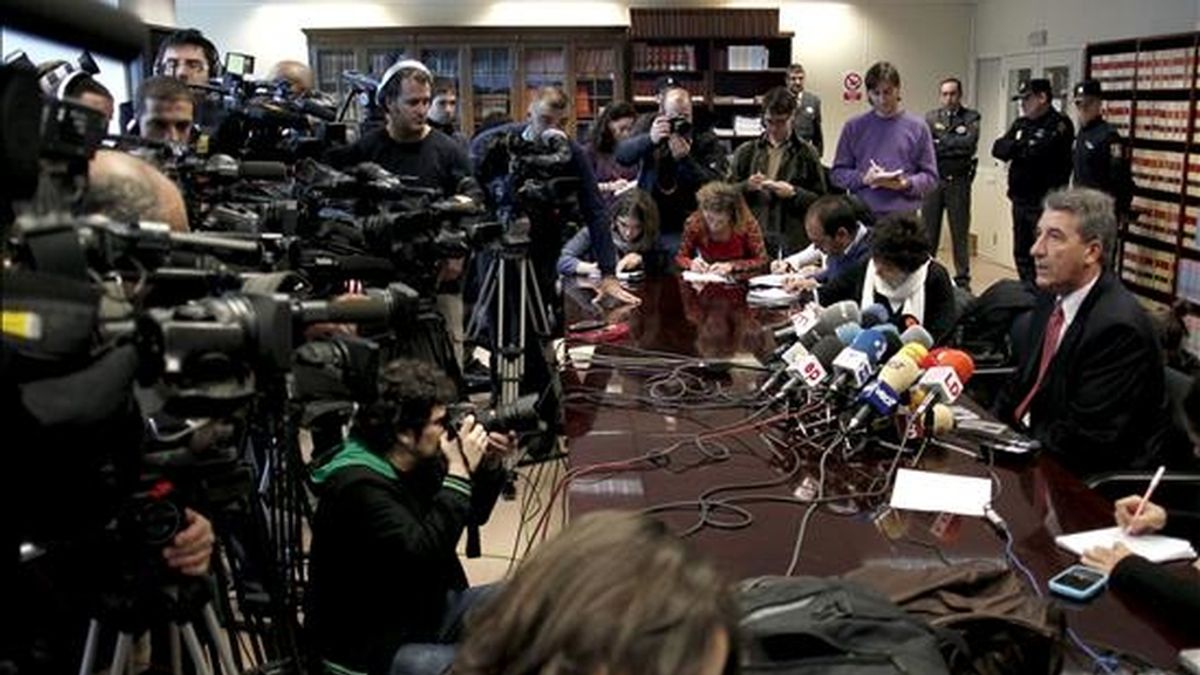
x=1073 y=300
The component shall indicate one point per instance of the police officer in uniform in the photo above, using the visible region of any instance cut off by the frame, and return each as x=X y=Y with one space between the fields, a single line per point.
x=955 y=132
x=806 y=121
x=1038 y=149
x=1101 y=155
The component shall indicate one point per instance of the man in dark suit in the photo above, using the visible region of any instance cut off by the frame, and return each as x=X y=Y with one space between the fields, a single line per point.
x=1089 y=384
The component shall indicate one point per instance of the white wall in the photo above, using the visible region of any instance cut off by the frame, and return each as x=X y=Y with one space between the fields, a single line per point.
x=1004 y=25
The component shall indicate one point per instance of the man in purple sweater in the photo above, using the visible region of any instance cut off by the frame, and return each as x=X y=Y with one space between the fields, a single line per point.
x=885 y=156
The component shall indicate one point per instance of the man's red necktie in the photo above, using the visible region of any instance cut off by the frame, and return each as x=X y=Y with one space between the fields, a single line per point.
x=1049 y=346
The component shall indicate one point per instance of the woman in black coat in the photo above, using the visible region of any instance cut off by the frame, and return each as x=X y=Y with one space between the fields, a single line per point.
x=902 y=276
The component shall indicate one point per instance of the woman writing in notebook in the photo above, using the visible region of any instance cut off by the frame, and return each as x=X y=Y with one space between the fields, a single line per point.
x=1173 y=595
x=721 y=237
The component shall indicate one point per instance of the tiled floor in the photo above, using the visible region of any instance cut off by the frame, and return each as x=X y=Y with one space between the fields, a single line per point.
x=499 y=536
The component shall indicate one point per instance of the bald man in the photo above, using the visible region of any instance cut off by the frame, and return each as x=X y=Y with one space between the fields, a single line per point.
x=125 y=188
x=297 y=74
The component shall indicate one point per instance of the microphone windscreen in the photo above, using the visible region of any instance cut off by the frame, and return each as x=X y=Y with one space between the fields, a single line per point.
x=846 y=333
x=916 y=351
x=917 y=334
x=826 y=350
x=837 y=314
x=872 y=343
x=939 y=419
x=900 y=372
x=874 y=314
x=960 y=361
x=888 y=328
x=893 y=344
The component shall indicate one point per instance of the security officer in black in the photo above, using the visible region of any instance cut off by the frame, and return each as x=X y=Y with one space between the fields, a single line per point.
x=1038 y=149
x=1101 y=155
x=955 y=132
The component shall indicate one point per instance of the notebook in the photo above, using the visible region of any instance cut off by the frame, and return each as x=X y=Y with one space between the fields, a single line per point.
x=1153 y=547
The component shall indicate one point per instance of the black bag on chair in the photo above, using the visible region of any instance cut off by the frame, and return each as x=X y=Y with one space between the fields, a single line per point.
x=812 y=626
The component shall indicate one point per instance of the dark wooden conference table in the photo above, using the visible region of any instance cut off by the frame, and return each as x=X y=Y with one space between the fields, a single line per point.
x=1037 y=498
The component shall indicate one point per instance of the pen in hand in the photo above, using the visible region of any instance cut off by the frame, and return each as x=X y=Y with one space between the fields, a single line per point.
x=1145 y=498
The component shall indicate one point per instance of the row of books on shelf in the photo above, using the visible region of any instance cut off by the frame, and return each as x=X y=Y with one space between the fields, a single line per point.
x=1158 y=169
x=664 y=57
x=1161 y=69
x=1119 y=113
x=1162 y=120
x=1148 y=267
x=1156 y=219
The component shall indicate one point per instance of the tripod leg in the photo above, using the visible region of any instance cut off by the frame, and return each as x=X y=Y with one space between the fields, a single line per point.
x=120 y=662
x=176 y=649
x=89 y=648
x=221 y=639
x=483 y=303
x=199 y=662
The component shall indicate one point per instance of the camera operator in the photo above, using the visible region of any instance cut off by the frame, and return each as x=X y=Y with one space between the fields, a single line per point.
x=50 y=591
x=388 y=593
x=191 y=58
x=675 y=161
x=544 y=128
x=127 y=189
x=409 y=147
x=166 y=111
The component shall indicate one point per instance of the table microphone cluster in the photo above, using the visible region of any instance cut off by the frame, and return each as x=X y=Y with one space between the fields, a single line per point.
x=849 y=364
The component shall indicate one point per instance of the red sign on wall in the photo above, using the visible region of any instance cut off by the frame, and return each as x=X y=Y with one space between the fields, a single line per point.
x=852 y=83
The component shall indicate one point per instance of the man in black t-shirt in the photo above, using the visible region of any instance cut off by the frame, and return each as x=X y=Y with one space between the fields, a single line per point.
x=408 y=147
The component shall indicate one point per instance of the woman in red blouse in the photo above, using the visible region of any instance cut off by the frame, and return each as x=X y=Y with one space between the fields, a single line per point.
x=721 y=237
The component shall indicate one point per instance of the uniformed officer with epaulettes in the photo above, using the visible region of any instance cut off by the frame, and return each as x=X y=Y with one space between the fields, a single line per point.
x=1101 y=155
x=955 y=132
x=1038 y=149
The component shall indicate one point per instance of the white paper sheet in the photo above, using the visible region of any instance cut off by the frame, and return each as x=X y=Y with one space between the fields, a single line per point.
x=940 y=492
x=1153 y=547
x=706 y=278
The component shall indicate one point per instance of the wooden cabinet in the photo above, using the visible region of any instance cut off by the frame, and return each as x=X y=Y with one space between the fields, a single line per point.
x=1149 y=87
x=496 y=69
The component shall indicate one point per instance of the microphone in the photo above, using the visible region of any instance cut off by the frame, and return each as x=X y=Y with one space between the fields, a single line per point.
x=846 y=333
x=949 y=370
x=917 y=334
x=936 y=421
x=790 y=354
x=873 y=315
x=813 y=368
x=830 y=318
x=857 y=362
x=883 y=395
x=888 y=328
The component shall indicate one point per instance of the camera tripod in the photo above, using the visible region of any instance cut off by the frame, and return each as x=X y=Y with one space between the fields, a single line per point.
x=181 y=605
x=511 y=279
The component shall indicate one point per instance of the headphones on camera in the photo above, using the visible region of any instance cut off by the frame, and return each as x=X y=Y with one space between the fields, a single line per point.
x=190 y=36
x=391 y=74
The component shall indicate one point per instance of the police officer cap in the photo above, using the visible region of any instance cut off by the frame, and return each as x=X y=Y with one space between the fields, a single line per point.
x=395 y=70
x=1035 y=86
x=1087 y=88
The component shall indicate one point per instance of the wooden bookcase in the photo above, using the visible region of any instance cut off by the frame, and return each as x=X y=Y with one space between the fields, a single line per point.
x=1149 y=91
x=496 y=68
x=727 y=59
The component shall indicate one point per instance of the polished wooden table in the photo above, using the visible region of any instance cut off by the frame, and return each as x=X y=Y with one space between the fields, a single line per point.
x=1037 y=497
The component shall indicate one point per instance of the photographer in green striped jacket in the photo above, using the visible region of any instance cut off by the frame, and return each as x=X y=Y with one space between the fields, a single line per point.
x=388 y=593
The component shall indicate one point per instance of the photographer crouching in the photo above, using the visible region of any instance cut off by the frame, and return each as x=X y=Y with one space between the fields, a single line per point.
x=388 y=593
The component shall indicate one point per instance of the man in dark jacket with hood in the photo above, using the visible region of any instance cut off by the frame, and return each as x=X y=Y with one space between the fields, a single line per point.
x=388 y=592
